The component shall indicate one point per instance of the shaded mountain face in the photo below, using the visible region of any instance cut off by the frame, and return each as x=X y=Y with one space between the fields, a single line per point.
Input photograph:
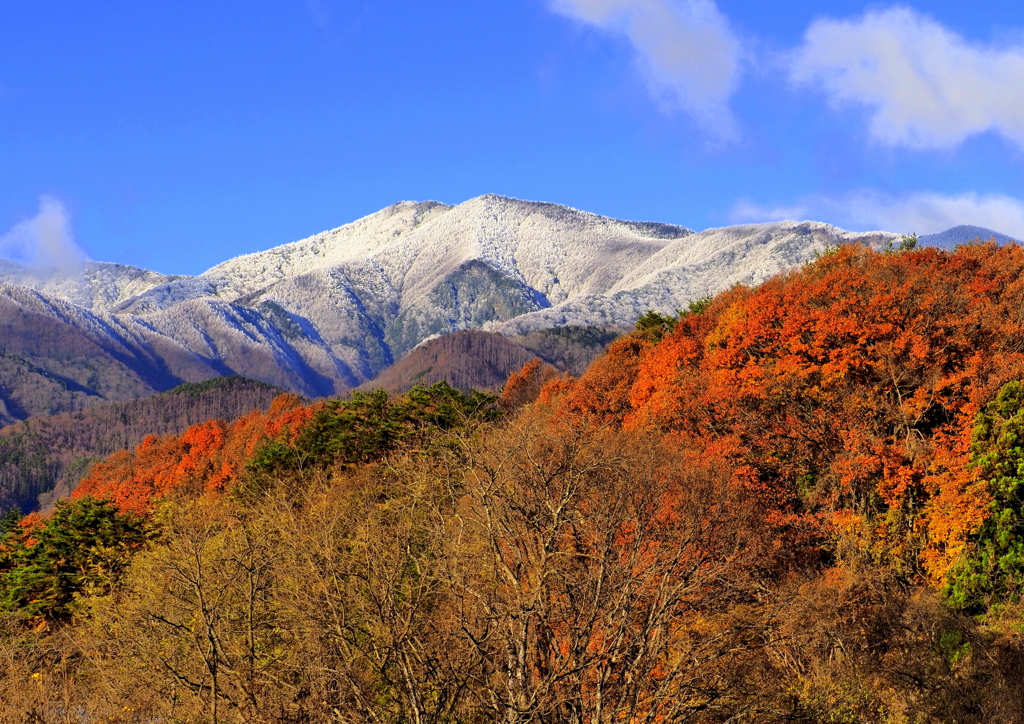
x=468 y=360
x=477 y=360
x=951 y=238
x=325 y=314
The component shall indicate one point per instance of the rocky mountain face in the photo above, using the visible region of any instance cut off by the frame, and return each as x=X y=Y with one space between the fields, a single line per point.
x=322 y=315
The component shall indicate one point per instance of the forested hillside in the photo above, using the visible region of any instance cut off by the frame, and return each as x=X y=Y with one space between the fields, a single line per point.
x=795 y=502
x=43 y=458
x=862 y=395
x=473 y=359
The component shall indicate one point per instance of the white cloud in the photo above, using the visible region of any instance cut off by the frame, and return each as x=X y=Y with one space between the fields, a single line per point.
x=920 y=212
x=45 y=240
x=687 y=53
x=747 y=211
x=926 y=86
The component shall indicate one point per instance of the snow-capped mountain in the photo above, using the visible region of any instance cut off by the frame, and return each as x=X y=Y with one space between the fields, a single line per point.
x=324 y=314
x=96 y=286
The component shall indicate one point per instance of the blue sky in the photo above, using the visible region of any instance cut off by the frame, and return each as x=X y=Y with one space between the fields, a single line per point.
x=174 y=136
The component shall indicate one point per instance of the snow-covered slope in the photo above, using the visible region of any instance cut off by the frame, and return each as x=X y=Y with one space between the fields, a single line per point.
x=329 y=312
x=696 y=266
x=96 y=286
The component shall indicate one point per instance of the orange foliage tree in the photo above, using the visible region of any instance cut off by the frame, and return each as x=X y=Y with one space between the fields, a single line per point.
x=844 y=392
x=206 y=457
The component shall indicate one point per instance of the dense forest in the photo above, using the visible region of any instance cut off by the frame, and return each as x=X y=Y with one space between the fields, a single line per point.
x=43 y=458
x=801 y=502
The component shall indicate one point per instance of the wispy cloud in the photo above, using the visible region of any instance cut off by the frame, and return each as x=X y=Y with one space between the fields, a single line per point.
x=45 y=240
x=926 y=86
x=320 y=12
x=685 y=49
x=921 y=212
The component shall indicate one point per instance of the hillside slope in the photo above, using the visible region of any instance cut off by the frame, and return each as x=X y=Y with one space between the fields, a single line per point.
x=964 y=234
x=42 y=458
x=468 y=360
x=477 y=360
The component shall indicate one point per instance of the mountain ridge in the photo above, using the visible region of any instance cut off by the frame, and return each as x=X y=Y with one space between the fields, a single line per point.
x=962 y=234
x=327 y=313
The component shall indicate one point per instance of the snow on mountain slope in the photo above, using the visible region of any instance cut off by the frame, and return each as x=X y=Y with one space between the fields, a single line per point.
x=156 y=359
x=693 y=267
x=416 y=245
x=233 y=339
x=352 y=242
x=557 y=251
x=250 y=273
x=96 y=286
x=55 y=356
x=355 y=298
x=324 y=314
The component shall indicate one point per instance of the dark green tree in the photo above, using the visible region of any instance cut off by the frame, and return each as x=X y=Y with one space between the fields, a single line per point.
x=908 y=242
x=371 y=424
x=82 y=549
x=655 y=326
x=9 y=522
x=993 y=571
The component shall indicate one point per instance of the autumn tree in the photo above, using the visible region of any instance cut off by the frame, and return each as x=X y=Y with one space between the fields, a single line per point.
x=524 y=385
x=600 y=578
